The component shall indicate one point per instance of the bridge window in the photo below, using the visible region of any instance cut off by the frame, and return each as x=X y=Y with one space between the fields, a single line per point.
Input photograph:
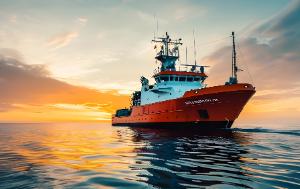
x=171 y=78
x=176 y=78
x=197 y=79
x=189 y=79
x=164 y=78
x=182 y=78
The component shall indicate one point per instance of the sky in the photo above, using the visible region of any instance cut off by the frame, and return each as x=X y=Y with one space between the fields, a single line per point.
x=78 y=60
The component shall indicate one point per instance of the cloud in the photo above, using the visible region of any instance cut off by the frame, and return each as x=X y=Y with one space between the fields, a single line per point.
x=7 y=53
x=82 y=20
x=187 y=12
x=61 y=40
x=13 y=18
x=30 y=88
x=5 y=107
x=271 y=53
x=169 y=13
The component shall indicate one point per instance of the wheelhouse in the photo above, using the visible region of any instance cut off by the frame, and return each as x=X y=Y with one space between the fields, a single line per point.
x=177 y=76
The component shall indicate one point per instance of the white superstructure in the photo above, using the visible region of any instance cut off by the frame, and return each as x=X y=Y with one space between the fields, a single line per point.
x=168 y=87
x=169 y=83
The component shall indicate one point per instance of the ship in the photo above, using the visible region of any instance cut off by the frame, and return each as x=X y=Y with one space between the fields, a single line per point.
x=181 y=98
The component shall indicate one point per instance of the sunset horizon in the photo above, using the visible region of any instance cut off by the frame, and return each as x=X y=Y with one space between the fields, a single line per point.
x=134 y=94
x=74 y=70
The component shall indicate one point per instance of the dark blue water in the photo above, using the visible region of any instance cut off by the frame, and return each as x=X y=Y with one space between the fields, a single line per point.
x=102 y=156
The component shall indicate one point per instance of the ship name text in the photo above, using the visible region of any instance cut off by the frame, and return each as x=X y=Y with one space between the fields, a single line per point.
x=200 y=101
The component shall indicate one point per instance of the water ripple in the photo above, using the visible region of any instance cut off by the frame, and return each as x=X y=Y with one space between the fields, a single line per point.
x=97 y=155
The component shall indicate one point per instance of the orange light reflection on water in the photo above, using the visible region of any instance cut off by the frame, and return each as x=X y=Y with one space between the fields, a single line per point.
x=96 y=148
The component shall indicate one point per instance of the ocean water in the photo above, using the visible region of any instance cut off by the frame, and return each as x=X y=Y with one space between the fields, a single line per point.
x=60 y=155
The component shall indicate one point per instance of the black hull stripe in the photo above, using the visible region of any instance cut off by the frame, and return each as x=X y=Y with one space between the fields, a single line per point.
x=201 y=124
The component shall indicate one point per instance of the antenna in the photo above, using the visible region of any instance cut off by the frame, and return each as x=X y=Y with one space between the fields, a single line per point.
x=234 y=66
x=156 y=25
x=195 y=55
x=186 y=55
x=166 y=56
x=156 y=29
x=234 y=69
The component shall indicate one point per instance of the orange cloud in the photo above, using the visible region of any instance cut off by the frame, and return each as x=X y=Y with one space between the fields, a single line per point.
x=61 y=40
x=29 y=93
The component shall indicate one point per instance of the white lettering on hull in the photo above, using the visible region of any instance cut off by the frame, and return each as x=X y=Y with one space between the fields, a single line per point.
x=201 y=101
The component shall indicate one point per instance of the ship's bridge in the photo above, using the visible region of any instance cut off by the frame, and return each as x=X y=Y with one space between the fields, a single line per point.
x=179 y=76
x=169 y=82
x=170 y=85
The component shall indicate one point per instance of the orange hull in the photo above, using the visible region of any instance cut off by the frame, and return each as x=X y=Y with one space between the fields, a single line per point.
x=215 y=106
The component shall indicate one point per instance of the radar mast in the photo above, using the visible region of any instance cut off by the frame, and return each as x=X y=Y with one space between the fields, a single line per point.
x=168 y=53
x=234 y=68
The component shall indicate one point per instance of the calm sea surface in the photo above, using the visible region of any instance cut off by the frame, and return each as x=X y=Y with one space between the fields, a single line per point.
x=102 y=156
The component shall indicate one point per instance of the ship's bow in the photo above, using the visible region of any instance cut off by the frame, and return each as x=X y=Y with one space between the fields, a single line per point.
x=217 y=106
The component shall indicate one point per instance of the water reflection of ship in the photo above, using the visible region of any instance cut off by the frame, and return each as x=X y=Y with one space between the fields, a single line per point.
x=185 y=159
